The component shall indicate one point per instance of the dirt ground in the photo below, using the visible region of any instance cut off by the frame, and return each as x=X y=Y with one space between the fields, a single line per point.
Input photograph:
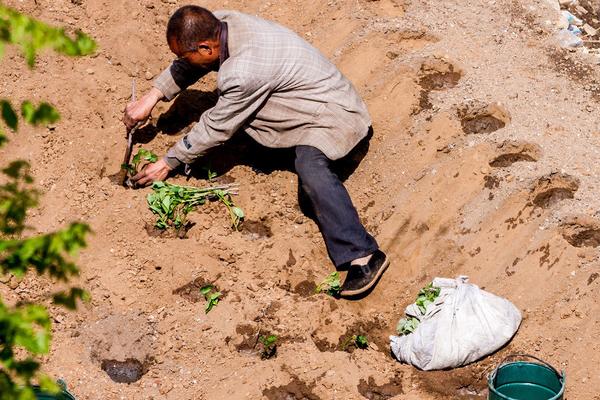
x=484 y=162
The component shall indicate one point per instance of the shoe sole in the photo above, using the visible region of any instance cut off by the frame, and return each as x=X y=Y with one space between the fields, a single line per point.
x=350 y=293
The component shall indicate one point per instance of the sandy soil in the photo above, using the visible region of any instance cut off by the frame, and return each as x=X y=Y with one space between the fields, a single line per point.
x=484 y=162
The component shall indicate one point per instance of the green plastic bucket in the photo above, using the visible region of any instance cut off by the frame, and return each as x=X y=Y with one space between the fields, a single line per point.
x=64 y=395
x=526 y=380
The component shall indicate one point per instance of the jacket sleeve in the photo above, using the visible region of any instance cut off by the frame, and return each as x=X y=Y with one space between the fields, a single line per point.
x=177 y=77
x=239 y=99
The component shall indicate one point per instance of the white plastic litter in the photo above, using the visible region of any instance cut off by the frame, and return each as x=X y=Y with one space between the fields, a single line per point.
x=463 y=325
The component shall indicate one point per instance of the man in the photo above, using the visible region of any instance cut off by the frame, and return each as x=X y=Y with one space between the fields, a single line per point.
x=283 y=93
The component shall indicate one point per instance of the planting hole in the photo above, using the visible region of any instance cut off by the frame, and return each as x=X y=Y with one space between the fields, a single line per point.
x=511 y=153
x=554 y=188
x=582 y=232
x=480 y=119
x=295 y=390
x=128 y=371
x=386 y=391
x=255 y=230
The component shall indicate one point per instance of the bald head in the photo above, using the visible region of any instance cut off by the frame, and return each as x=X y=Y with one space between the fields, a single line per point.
x=190 y=25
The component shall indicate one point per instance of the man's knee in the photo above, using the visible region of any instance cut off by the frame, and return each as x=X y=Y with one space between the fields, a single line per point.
x=310 y=161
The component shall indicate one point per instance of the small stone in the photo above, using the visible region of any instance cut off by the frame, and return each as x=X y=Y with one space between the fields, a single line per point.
x=149 y=75
x=89 y=71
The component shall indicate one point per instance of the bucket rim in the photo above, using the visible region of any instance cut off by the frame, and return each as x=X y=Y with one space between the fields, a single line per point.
x=492 y=377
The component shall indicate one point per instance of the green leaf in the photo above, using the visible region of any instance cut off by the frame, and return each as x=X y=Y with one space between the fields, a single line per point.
x=212 y=301
x=238 y=212
x=330 y=285
x=43 y=114
x=361 y=342
x=48 y=385
x=69 y=299
x=8 y=115
x=206 y=290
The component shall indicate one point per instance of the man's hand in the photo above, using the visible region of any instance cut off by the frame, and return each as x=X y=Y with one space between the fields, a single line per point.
x=157 y=171
x=139 y=111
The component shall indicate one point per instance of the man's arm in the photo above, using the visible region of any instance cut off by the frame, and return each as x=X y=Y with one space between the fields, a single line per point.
x=238 y=101
x=177 y=77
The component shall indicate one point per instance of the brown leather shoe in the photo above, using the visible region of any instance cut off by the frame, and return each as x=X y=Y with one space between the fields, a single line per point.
x=362 y=278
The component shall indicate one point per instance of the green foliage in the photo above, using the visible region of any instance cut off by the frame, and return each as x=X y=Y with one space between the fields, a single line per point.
x=358 y=341
x=32 y=36
x=426 y=296
x=172 y=203
x=407 y=326
x=269 y=346
x=330 y=285
x=25 y=329
x=211 y=296
x=142 y=155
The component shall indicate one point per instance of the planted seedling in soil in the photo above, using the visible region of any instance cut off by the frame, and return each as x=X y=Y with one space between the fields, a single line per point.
x=358 y=341
x=142 y=155
x=269 y=346
x=172 y=203
x=211 y=296
x=330 y=285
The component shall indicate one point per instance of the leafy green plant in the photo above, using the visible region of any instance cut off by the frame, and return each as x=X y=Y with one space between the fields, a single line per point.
x=172 y=203
x=426 y=296
x=211 y=296
x=25 y=329
x=330 y=285
x=269 y=346
x=358 y=341
x=141 y=155
x=406 y=326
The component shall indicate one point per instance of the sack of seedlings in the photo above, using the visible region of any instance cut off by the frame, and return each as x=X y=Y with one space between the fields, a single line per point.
x=453 y=323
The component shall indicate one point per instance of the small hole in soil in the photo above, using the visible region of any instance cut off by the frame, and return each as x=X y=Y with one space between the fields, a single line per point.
x=128 y=371
x=478 y=119
x=582 y=232
x=256 y=230
x=388 y=390
x=554 y=188
x=305 y=288
x=191 y=291
x=511 y=152
x=436 y=74
x=295 y=390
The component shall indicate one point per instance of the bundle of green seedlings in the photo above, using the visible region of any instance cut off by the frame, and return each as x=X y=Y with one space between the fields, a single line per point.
x=426 y=296
x=330 y=285
x=172 y=203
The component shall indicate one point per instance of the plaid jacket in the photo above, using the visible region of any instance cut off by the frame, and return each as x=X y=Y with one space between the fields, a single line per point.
x=277 y=88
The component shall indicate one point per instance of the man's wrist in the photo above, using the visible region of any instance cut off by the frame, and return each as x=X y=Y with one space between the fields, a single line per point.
x=156 y=94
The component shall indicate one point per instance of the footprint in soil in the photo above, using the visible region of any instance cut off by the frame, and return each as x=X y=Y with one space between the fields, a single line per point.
x=128 y=371
x=436 y=74
x=512 y=152
x=582 y=231
x=388 y=390
x=480 y=119
x=551 y=189
x=295 y=390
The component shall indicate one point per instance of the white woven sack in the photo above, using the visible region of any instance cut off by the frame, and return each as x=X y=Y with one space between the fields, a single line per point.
x=463 y=325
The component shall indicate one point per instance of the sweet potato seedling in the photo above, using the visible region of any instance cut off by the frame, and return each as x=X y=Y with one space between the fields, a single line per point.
x=358 y=341
x=269 y=346
x=172 y=203
x=330 y=285
x=212 y=297
x=142 y=155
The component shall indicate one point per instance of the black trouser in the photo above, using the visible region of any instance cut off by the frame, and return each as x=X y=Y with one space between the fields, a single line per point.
x=345 y=237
